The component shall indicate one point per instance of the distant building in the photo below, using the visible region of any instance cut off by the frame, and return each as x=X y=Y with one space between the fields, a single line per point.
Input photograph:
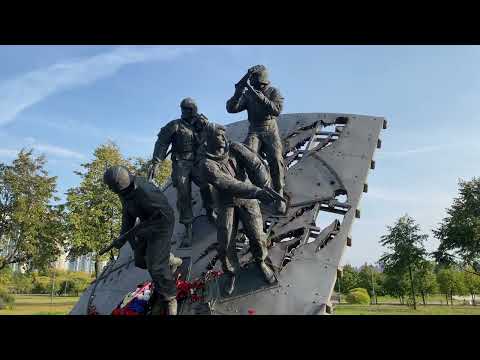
x=84 y=263
x=81 y=264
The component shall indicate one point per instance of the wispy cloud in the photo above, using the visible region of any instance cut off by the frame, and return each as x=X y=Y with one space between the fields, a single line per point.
x=49 y=149
x=414 y=151
x=58 y=151
x=19 y=93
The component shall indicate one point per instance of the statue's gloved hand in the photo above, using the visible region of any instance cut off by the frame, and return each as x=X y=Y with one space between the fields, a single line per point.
x=251 y=92
x=239 y=87
x=264 y=196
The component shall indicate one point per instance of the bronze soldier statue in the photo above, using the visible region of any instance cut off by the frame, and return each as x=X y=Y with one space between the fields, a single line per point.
x=186 y=136
x=143 y=200
x=226 y=167
x=263 y=104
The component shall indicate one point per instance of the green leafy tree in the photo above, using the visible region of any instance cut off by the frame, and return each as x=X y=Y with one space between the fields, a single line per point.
x=407 y=250
x=6 y=300
x=93 y=211
x=459 y=231
x=371 y=279
x=73 y=284
x=450 y=282
x=396 y=285
x=349 y=279
x=163 y=173
x=31 y=231
x=472 y=283
x=21 y=283
x=5 y=277
x=425 y=280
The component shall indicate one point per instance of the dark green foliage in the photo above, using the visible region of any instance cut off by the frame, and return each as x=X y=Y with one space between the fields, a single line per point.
x=396 y=285
x=371 y=279
x=459 y=231
x=349 y=279
x=21 y=283
x=451 y=282
x=6 y=300
x=73 y=284
x=31 y=229
x=407 y=251
x=425 y=280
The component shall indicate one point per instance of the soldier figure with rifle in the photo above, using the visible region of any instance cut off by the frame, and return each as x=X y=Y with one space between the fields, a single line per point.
x=187 y=139
x=263 y=104
x=143 y=200
x=226 y=167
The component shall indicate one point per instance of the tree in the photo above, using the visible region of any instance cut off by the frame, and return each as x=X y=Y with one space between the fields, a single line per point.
x=450 y=282
x=407 y=249
x=371 y=279
x=459 y=231
x=31 y=231
x=5 y=278
x=425 y=280
x=396 y=285
x=141 y=167
x=93 y=211
x=472 y=283
x=349 y=279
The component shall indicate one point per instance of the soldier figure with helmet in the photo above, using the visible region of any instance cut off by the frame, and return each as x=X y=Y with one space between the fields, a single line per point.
x=263 y=104
x=144 y=201
x=187 y=140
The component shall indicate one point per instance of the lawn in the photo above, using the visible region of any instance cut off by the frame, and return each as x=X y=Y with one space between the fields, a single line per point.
x=384 y=309
x=40 y=305
x=436 y=299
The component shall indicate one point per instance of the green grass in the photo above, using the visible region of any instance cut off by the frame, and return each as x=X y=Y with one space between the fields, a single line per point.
x=344 y=309
x=431 y=300
x=40 y=305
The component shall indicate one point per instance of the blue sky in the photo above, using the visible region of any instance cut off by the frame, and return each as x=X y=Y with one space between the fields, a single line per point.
x=66 y=100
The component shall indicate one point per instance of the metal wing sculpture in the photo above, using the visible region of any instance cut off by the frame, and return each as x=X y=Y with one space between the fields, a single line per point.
x=328 y=157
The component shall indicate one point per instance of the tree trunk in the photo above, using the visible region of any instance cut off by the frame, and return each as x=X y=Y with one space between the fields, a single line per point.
x=451 y=297
x=53 y=287
x=413 y=288
x=423 y=297
x=97 y=268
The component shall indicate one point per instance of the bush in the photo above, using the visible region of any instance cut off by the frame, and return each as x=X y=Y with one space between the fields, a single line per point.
x=21 y=284
x=42 y=285
x=358 y=296
x=66 y=283
x=5 y=277
x=73 y=284
x=6 y=300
